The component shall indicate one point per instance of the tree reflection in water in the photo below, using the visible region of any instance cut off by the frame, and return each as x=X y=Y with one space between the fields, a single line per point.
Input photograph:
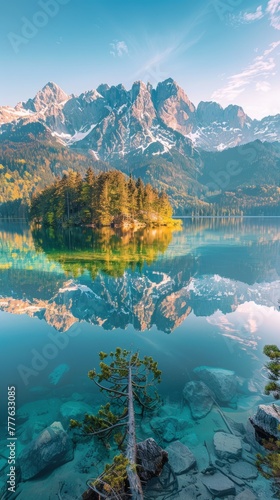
x=105 y=250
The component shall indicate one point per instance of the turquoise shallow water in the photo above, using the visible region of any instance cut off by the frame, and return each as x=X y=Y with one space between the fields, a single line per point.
x=206 y=295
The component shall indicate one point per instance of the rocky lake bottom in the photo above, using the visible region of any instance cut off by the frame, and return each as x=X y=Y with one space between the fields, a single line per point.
x=211 y=446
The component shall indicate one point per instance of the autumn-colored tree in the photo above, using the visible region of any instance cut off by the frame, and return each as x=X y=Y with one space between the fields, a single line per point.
x=99 y=200
x=103 y=214
x=132 y=199
x=140 y=194
x=89 y=197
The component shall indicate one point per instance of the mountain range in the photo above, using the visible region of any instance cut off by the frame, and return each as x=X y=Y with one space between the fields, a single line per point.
x=155 y=133
x=113 y=121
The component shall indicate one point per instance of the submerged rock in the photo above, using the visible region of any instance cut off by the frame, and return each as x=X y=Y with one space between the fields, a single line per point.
x=165 y=427
x=163 y=485
x=56 y=375
x=30 y=430
x=246 y=495
x=267 y=419
x=35 y=416
x=187 y=493
x=222 y=382
x=76 y=396
x=170 y=432
x=199 y=398
x=244 y=470
x=75 y=410
x=150 y=459
x=251 y=436
x=219 y=485
x=50 y=449
x=227 y=445
x=169 y=428
x=180 y=458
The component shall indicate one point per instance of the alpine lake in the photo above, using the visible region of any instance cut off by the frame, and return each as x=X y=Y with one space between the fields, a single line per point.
x=206 y=296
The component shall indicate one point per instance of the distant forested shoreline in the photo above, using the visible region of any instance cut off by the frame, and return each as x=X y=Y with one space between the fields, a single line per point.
x=107 y=199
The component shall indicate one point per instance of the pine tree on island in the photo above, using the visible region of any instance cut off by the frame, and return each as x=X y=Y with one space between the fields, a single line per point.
x=106 y=199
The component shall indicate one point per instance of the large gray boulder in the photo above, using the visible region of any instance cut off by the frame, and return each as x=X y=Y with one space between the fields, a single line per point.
x=49 y=450
x=267 y=419
x=180 y=458
x=223 y=383
x=199 y=397
x=150 y=459
x=227 y=445
x=219 y=485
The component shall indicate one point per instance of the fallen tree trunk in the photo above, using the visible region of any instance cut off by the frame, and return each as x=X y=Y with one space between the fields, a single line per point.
x=133 y=478
x=129 y=382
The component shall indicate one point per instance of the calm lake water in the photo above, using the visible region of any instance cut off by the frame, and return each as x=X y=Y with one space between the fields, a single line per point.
x=205 y=295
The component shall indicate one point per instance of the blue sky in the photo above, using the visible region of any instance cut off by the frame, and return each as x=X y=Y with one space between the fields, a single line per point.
x=222 y=50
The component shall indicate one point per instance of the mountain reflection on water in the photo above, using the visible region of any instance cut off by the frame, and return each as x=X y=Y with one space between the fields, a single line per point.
x=215 y=285
x=149 y=277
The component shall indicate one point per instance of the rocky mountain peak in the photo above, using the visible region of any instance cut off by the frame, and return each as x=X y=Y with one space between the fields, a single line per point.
x=91 y=95
x=103 y=88
x=52 y=86
x=137 y=88
x=209 y=112
x=174 y=107
x=220 y=128
x=236 y=115
x=121 y=87
x=166 y=89
x=51 y=94
x=117 y=96
x=142 y=106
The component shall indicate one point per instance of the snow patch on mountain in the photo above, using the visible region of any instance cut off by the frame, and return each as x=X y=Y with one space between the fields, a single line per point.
x=79 y=136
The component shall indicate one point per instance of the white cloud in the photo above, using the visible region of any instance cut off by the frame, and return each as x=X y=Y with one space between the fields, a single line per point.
x=273 y=10
x=118 y=48
x=263 y=86
x=247 y=17
x=261 y=67
x=271 y=48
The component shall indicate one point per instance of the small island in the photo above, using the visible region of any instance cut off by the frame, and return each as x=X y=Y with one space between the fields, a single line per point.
x=107 y=199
